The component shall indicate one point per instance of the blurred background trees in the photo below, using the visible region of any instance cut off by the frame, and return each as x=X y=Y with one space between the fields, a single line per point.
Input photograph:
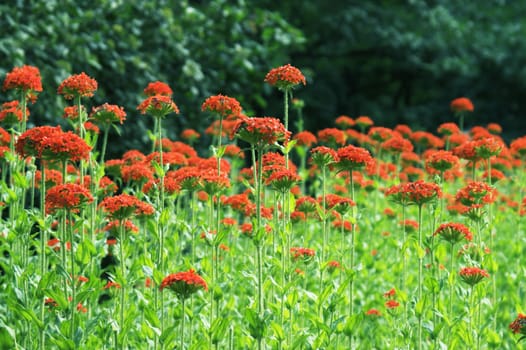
x=395 y=61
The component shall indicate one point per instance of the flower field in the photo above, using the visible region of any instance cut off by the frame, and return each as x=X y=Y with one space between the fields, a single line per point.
x=357 y=236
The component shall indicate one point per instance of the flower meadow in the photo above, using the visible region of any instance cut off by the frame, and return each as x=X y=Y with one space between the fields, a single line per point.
x=357 y=236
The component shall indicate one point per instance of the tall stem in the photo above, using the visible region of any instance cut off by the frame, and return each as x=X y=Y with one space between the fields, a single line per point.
x=123 y=276
x=73 y=277
x=182 y=323
x=43 y=240
x=104 y=143
x=420 y=272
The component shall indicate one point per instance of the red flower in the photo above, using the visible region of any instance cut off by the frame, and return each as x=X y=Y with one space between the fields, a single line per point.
x=233 y=151
x=158 y=106
x=305 y=254
x=338 y=203
x=373 y=312
x=64 y=146
x=323 y=156
x=494 y=128
x=352 y=157
x=184 y=284
x=425 y=140
x=113 y=228
x=332 y=136
x=486 y=148
x=262 y=131
x=305 y=138
x=71 y=112
x=476 y=193
x=440 y=161
x=397 y=145
x=139 y=173
x=123 y=206
x=380 y=133
x=403 y=130
x=363 y=122
x=448 y=129
x=344 y=122
x=212 y=183
x=223 y=105
x=283 y=180
x=472 y=275
x=11 y=113
x=392 y=304
x=108 y=114
x=158 y=88
x=390 y=293
x=306 y=204
x=518 y=147
x=518 y=326
x=67 y=196
x=418 y=193
x=453 y=232
x=30 y=142
x=78 y=85
x=462 y=104
x=190 y=135
x=333 y=265
x=25 y=78
x=285 y=77
x=188 y=177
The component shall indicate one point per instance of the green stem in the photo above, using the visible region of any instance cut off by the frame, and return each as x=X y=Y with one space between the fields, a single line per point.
x=104 y=143
x=73 y=277
x=323 y=225
x=123 y=276
x=182 y=323
x=43 y=241
x=420 y=273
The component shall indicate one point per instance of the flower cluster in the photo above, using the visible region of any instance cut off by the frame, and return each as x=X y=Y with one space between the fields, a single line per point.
x=67 y=196
x=107 y=114
x=11 y=113
x=158 y=106
x=223 y=105
x=418 y=192
x=462 y=104
x=518 y=326
x=25 y=78
x=285 y=77
x=123 y=206
x=158 y=88
x=78 y=85
x=184 y=284
x=352 y=157
x=472 y=275
x=283 y=180
x=476 y=193
x=260 y=131
x=454 y=232
x=305 y=254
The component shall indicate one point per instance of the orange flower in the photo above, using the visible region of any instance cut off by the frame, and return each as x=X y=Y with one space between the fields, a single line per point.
x=184 y=284
x=285 y=77
x=158 y=88
x=158 y=106
x=473 y=275
x=67 y=196
x=78 y=85
x=518 y=326
x=462 y=104
x=25 y=78
x=223 y=105
x=108 y=114
x=454 y=232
